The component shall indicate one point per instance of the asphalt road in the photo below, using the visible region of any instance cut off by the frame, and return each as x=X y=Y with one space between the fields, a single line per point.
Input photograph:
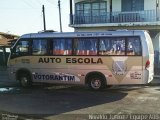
x=58 y=102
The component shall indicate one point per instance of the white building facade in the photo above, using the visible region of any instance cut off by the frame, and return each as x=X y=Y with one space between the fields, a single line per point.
x=102 y=15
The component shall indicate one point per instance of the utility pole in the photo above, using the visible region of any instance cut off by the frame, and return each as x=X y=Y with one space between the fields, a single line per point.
x=44 y=20
x=157 y=10
x=60 y=21
x=111 y=19
x=71 y=13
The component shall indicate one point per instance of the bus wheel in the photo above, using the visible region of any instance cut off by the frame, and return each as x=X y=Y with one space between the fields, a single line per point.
x=25 y=80
x=96 y=82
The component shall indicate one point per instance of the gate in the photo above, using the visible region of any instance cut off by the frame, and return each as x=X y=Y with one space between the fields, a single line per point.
x=3 y=56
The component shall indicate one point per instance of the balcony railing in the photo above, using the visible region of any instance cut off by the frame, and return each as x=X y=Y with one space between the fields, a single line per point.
x=117 y=17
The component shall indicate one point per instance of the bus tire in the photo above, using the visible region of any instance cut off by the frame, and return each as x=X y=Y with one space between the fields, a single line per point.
x=25 y=80
x=96 y=82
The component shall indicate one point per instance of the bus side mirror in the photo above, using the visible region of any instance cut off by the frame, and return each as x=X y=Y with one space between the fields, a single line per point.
x=11 y=49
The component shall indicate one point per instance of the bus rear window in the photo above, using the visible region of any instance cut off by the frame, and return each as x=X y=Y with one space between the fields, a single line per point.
x=134 y=46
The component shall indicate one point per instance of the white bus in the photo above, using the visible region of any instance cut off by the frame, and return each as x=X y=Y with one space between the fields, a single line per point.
x=97 y=59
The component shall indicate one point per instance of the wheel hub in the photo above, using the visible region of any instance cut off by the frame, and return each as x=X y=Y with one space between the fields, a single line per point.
x=96 y=84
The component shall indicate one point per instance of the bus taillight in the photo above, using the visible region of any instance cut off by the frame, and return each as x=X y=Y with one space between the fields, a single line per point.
x=147 y=64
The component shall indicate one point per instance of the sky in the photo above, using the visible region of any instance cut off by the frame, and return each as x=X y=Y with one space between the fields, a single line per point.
x=25 y=16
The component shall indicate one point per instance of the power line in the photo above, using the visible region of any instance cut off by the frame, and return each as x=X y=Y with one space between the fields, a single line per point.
x=38 y=3
x=51 y=2
x=18 y=8
x=28 y=3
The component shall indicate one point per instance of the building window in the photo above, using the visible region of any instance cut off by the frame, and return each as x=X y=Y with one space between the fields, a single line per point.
x=132 y=5
x=95 y=8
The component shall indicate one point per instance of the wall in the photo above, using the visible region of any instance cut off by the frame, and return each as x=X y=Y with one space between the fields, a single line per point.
x=155 y=36
x=75 y=1
x=156 y=42
x=149 y=4
x=116 y=5
x=90 y=29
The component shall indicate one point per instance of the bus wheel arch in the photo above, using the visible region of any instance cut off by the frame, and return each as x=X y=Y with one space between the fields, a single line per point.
x=95 y=80
x=24 y=77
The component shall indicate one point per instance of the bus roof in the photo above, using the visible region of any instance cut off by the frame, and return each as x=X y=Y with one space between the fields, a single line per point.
x=84 y=34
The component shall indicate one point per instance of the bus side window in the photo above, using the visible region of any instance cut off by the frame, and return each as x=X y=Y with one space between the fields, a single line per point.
x=21 y=48
x=134 y=46
x=86 y=46
x=105 y=46
x=62 y=46
x=112 y=46
x=39 y=47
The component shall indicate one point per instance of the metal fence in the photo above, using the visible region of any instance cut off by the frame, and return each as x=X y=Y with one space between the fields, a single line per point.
x=117 y=17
